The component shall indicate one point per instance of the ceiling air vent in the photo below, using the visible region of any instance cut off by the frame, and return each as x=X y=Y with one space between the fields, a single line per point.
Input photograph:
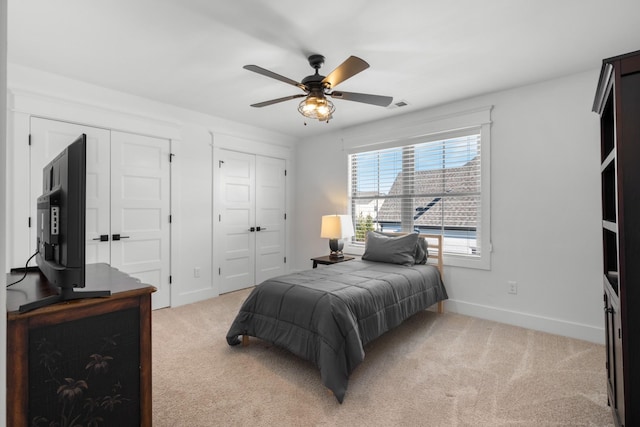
x=401 y=103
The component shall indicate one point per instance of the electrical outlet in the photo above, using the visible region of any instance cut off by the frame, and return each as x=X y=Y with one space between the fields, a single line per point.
x=196 y=272
x=513 y=287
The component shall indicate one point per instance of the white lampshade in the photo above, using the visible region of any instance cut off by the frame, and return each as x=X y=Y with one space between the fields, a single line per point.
x=336 y=227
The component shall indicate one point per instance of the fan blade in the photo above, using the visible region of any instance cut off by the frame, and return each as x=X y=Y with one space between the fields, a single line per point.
x=273 y=75
x=349 y=68
x=382 y=101
x=275 y=101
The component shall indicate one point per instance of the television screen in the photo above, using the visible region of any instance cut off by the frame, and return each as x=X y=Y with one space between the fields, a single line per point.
x=61 y=217
x=61 y=225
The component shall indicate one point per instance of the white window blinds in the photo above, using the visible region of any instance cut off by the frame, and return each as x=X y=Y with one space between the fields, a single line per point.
x=430 y=185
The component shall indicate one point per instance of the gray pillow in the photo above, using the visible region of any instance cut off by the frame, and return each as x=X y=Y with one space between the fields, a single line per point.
x=422 y=251
x=393 y=250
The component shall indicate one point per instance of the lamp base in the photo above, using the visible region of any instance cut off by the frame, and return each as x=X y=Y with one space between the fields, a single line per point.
x=336 y=246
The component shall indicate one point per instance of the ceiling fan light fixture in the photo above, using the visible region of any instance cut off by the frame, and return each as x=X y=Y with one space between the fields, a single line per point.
x=315 y=107
x=316 y=88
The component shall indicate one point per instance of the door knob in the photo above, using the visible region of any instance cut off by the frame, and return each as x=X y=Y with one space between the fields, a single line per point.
x=118 y=237
x=103 y=238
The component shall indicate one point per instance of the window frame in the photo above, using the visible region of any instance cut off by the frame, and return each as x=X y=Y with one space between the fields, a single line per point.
x=440 y=129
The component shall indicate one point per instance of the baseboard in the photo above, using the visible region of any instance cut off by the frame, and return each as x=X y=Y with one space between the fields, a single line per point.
x=530 y=321
x=192 y=297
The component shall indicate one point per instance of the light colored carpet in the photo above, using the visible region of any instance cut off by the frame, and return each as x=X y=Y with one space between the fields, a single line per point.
x=434 y=370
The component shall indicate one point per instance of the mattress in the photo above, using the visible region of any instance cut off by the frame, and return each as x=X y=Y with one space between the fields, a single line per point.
x=328 y=315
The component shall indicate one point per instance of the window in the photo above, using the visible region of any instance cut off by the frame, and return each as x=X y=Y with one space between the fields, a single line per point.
x=433 y=184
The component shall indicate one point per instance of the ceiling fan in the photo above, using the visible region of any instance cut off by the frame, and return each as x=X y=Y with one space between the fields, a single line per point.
x=317 y=88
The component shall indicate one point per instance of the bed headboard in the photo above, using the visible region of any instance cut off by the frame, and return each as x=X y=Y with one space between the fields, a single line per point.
x=435 y=249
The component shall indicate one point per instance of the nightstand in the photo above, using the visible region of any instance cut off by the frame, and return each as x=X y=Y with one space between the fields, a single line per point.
x=327 y=260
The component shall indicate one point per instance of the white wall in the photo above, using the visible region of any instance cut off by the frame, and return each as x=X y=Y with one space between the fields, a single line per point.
x=545 y=192
x=545 y=208
x=194 y=136
x=3 y=182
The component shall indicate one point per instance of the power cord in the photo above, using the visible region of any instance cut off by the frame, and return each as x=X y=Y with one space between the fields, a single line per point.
x=26 y=270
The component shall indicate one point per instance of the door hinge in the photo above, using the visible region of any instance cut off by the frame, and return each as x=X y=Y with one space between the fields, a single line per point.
x=219 y=271
x=219 y=218
x=29 y=139
x=29 y=222
x=170 y=218
x=285 y=172
x=619 y=334
x=171 y=157
x=285 y=260
x=285 y=217
x=170 y=279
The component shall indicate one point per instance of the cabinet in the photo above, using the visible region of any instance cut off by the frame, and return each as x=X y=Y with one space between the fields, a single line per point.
x=617 y=102
x=83 y=360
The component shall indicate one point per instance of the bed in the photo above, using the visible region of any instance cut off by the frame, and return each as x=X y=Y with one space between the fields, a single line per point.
x=327 y=315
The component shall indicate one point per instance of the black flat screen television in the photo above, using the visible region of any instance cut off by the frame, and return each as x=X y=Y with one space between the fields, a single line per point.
x=61 y=225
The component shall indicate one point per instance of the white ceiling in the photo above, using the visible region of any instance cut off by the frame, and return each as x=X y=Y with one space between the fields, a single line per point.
x=190 y=53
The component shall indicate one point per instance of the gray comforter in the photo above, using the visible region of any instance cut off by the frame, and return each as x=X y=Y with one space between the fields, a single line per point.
x=327 y=315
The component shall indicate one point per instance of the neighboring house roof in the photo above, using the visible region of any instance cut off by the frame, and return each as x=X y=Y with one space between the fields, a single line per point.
x=460 y=211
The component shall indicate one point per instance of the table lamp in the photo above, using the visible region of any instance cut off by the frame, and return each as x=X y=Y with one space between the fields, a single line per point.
x=334 y=228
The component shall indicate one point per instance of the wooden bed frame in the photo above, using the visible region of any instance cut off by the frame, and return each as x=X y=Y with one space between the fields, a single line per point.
x=435 y=253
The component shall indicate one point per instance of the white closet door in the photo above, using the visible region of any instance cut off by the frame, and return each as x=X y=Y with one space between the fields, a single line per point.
x=128 y=183
x=140 y=192
x=48 y=139
x=236 y=218
x=270 y=211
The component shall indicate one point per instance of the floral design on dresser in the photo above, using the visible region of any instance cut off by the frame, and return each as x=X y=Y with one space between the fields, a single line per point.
x=85 y=373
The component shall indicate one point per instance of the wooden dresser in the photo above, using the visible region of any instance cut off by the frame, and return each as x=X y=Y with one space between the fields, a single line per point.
x=82 y=362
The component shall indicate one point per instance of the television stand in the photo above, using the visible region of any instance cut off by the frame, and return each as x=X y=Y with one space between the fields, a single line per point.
x=66 y=294
x=79 y=340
